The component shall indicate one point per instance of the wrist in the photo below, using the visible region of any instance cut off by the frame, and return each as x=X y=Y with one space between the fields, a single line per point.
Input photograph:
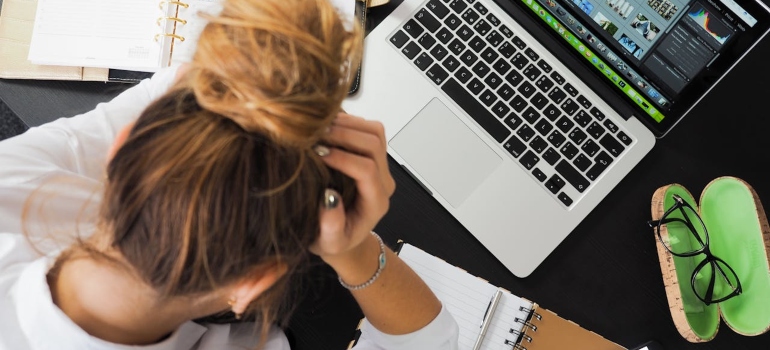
x=358 y=265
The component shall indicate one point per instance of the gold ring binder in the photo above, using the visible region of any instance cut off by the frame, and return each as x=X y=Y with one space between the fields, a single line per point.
x=178 y=3
x=157 y=36
x=176 y=19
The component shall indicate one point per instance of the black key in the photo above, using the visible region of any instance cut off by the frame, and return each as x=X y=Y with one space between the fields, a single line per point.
x=557 y=95
x=525 y=132
x=555 y=184
x=481 y=69
x=507 y=49
x=514 y=78
x=514 y=146
x=423 y=61
x=489 y=55
x=612 y=145
x=590 y=147
x=413 y=28
x=493 y=81
x=444 y=35
x=565 y=124
x=551 y=156
x=557 y=78
x=506 y=31
x=564 y=198
x=551 y=112
x=452 y=22
x=475 y=86
x=487 y=97
x=603 y=161
x=426 y=40
x=482 y=27
x=468 y=57
x=477 y=44
x=529 y=160
x=505 y=92
x=531 y=72
x=610 y=126
x=582 y=162
x=501 y=109
x=458 y=5
x=577 y=136
x=451 y=63
x=493 y=20
x=583 y=101
x=494 y=38
x=470 y=16
x=597 y=113
x=438 y=52
x=513 y=121
x=582 y=118
x=531 y=54
x=519 y=43
x=530 y=115
x=539 y=174
x=519 y=60
x=568 y=150
x=438 y=8
x=570 y=89
x=474 y=109
x=463 y=75
x=464 y=33
x=437 y=74
x=518 y=103
x=526 y=89
x=411 y=50
x=479 y=7
x=457 y=47
x=399 y=39
x=572 y=176
x=501 y=66
x=595 y=130
x=538 y=144
x=544 y=66
x=539 y=100
x=623 y=137
x=569 y=107
x=556 y=138
x=543 y=126
x=544 y=83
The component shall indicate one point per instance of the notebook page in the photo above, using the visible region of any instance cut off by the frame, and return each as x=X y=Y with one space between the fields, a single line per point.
x=98 y=33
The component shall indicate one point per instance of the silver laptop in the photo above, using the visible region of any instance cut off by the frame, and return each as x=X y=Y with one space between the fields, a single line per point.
x=520 y=116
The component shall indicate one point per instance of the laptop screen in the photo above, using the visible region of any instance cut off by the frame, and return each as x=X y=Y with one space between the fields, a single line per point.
x=662 y=55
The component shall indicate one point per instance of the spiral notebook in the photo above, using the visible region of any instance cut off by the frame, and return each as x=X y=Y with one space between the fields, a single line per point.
x=516 y=323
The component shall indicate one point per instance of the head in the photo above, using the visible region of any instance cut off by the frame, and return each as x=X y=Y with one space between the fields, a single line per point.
x=216 y=185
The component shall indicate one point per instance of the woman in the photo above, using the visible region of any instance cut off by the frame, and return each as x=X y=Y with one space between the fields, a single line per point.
x=221 y=179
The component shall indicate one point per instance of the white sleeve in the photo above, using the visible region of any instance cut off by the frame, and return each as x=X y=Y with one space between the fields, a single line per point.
x=69 y=154
x=441 y=333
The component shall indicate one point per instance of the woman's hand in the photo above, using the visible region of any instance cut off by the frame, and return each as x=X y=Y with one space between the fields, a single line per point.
x=358 y=148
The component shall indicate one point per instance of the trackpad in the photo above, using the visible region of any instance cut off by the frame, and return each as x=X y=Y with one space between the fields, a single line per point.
x=445 y=152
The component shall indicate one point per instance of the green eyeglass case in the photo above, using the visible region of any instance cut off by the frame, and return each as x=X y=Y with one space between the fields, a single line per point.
x=738 y=234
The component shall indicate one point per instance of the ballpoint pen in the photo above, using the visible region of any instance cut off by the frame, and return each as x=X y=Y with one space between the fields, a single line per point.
x=487 y=318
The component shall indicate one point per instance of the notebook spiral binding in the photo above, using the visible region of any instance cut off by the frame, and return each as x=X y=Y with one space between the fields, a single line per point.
x=521 y=336
x=165 y=19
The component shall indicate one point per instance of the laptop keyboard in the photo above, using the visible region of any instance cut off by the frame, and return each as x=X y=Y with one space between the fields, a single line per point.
x=524 y=104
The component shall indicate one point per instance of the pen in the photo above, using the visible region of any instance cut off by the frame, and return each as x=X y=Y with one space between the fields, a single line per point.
x=487 y=318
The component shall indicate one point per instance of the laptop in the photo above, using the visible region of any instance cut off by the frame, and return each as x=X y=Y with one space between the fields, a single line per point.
x=520 y=116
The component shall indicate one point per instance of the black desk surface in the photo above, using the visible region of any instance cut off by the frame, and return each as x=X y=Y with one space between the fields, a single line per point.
x=605 y=276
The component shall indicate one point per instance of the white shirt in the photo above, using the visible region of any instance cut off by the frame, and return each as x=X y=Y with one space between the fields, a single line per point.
x=63 y=164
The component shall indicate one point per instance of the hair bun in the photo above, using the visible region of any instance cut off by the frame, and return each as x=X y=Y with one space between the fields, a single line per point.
x=276 y=67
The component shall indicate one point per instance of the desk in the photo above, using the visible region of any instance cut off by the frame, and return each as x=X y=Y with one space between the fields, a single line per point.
x=604 y=276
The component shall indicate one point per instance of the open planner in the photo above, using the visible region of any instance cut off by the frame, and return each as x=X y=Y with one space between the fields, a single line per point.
x=516 y=323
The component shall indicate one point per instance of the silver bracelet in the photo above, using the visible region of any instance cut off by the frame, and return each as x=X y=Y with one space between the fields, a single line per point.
x=380 y=267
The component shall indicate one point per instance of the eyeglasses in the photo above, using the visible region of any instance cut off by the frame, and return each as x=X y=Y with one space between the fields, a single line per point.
x=713 y=280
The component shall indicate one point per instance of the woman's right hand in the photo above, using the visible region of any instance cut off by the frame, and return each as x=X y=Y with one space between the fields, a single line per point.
x=358 y=148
